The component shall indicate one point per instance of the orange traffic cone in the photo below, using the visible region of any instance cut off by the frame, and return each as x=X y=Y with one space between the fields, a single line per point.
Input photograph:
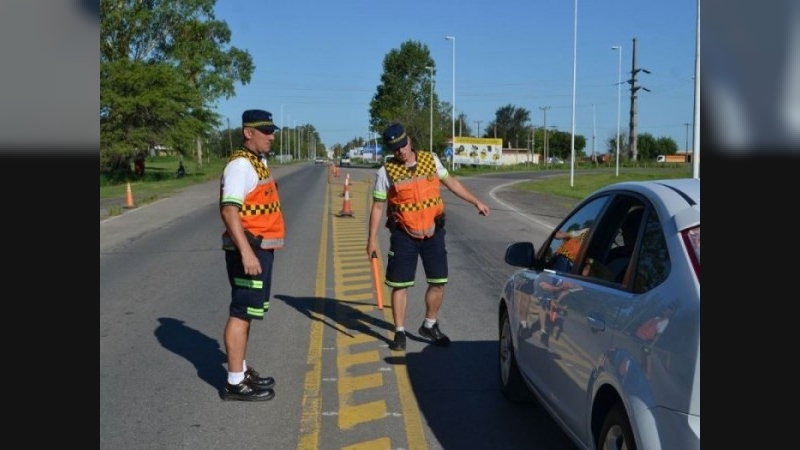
x=346 y=183
x=346 y=211
x=128 y=197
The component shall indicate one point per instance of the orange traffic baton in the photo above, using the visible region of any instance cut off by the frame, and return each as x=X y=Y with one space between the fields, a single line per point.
x=376 y=278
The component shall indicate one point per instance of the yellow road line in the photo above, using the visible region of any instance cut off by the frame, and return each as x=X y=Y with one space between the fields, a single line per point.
x=312 y=394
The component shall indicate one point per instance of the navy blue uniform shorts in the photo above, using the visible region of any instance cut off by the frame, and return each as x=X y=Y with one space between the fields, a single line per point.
x=249 y=294
x=405 y=251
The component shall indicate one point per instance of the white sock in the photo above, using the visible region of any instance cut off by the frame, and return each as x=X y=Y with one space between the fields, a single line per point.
x=429 y=323
x=235 y=377
x=399 y=329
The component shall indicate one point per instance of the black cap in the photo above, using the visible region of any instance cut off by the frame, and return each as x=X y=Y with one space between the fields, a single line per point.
x=260 y=120
x=394 y=137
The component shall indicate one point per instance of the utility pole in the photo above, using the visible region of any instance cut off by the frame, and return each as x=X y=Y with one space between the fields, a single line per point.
x=531 y=144
x=544 y=147
x=633 y=134
x=479 y=128
x=686 y=149
x=594 y=135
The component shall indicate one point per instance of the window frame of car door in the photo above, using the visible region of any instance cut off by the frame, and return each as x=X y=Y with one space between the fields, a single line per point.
x=600 y=236
x=599 y=248
x=547 y=250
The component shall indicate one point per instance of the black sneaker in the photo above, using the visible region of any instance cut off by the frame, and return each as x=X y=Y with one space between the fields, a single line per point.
x=399 y=342
x=252 y=377
x=244 y=391
x=435 y=335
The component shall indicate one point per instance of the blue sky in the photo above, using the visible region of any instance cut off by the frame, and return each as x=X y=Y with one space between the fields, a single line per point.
x=319 y=62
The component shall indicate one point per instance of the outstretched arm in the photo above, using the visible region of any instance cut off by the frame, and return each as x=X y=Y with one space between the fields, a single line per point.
x=461 y=191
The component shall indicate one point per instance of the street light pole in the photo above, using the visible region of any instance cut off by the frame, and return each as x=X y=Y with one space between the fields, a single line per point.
x=453 y=112
x=574 y=79
x=545 y=144
x=375 y=136
x=619 y=96
x=430 y=144
x=289 y=137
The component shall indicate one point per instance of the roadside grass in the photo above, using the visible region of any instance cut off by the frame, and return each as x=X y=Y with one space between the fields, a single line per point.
x=160 y=178
x=584 y=183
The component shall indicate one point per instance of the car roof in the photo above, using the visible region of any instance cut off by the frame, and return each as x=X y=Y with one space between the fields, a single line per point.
x=677 y=199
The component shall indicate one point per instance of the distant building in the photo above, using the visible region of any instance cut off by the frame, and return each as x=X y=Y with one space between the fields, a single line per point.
x=513 y=156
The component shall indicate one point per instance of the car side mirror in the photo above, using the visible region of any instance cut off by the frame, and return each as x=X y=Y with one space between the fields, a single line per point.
x=521 y=254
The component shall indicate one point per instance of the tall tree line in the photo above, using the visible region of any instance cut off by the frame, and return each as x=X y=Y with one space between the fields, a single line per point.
x=163 y=64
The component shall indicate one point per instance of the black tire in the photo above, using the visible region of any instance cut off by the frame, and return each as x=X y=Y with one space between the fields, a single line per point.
x=511 y=384
x=616 y=433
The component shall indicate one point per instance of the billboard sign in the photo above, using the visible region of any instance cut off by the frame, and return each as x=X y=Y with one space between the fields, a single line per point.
x=478 y=151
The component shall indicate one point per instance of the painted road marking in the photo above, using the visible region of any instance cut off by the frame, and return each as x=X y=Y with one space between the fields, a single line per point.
x=360 y=367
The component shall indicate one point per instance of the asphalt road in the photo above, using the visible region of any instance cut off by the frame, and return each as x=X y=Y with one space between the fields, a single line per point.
x=163 y=303
x=534 y=206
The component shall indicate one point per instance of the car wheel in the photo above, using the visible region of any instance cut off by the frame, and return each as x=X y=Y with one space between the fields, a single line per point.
x=616 y=433
x=511 y=383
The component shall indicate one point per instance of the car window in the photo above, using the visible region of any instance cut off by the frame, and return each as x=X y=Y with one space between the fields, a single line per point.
x=653 y=264
x=612 y=246
x=580 y=222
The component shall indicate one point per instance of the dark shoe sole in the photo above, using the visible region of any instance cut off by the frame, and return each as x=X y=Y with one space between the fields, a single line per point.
x=258 y=396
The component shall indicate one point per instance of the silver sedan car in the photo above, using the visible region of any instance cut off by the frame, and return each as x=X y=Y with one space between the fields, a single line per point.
x=601 y=324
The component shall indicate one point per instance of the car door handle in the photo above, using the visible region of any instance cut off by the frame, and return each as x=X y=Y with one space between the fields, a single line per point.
x=596 y=323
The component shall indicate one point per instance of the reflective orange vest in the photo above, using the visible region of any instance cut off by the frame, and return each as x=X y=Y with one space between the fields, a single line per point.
x=414 y=198
x=261 y=213
x=570 y=247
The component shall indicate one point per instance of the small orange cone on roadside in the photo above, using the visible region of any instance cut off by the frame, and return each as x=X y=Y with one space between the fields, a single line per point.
x=346 y=211
x=128 y=197
x=346 y=183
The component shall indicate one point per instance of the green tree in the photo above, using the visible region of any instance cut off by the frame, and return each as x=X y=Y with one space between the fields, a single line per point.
x=511 y=125
x=560 y=144
x=649 y=147
x=142 y=105
x=665 y=146
x=462 y=125
x=172 y=48
x=611 y=145
x=404 y=95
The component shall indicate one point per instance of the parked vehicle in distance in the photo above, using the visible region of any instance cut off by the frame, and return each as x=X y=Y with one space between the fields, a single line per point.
x=604 y=330
x=345 y=161
x=319 y=160
x=555 y=160
x=675 y=158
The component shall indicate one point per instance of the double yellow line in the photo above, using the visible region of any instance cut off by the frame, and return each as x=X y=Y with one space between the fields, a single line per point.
x=352 y=284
